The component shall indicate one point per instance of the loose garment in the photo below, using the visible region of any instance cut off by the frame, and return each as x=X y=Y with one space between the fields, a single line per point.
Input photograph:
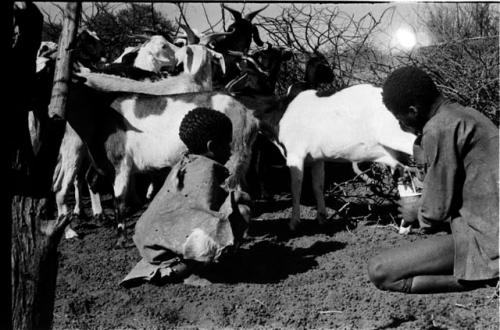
x=460 y=147
x=187 y=219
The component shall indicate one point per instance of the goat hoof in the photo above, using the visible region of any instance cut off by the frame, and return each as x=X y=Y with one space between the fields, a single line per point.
x=101 y=220
x=245 y=236
x=70 y=233
x=120 y=243
x=79 y=216
x=266 y=196
x=322 y=219
x=294 y=225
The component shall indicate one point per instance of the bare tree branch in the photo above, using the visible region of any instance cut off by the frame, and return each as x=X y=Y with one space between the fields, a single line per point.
x=206 y=17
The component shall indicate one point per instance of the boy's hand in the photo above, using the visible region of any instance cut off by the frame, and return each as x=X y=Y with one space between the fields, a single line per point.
x=408 y=208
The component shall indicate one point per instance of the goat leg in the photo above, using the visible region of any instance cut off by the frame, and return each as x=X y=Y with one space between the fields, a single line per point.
x=120 y=190
x=296 y=176
x=95 y=201
x=318 y=182
x=120 y=221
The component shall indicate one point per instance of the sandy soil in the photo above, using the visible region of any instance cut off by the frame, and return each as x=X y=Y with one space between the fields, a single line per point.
x=316 y=279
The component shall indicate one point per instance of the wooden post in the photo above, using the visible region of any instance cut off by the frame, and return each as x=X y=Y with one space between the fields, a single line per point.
x=5 y=241
x=35 y=236
x=62 y=74
x=34 y=263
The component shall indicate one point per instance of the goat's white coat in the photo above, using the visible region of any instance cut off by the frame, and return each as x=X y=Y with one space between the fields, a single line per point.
x=351 y=125
x=155 y=54
x=152 y=56
x=155 y=142
x=196 y=77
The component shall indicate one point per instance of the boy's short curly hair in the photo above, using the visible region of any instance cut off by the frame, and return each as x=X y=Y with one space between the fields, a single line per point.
x=409 y=86
x=203 y=124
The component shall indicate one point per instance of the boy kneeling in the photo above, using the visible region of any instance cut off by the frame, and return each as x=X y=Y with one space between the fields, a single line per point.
x=460 y=149
x=192 y=220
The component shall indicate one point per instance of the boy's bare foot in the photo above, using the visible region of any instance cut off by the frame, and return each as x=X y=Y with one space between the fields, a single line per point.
x=195 y=280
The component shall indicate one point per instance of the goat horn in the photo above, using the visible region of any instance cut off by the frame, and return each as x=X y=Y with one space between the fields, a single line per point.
x=249 y=59
x=205 y=40
x=251 y=15
x=139 y=36
x=152 y=32
x=236 y=14
x=257 y=66
x=236 y=53
x=192 y=38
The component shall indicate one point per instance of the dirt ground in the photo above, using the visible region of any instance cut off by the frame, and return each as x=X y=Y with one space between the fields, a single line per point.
x=316 y=279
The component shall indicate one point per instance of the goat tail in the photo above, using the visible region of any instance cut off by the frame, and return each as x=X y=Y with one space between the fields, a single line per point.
x=58 y=175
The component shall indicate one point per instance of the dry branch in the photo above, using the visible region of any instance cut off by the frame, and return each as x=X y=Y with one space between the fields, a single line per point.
x=62 y=73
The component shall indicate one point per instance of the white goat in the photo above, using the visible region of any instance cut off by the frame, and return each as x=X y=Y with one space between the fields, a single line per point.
x=197 y=61
x=182 y=39
x=150 y=138
x=196 y=75
x=152 y=56
x=88 y=51
x=351 y=125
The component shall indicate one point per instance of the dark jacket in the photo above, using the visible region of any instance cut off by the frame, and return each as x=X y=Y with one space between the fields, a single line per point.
x=460 y=147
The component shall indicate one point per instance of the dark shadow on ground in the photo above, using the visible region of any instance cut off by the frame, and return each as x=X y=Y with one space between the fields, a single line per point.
x=278 y=228
x=267 y=262
x=270 y=206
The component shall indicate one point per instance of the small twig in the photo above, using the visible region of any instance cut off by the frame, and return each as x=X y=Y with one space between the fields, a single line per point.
x=181 y=9
x=393 y=220
x=363 y=217
x=260 y=302
x=385 y=226
x=376 y=224
x=329 y=312
x=206 y=17
x=343 y=207
x=461 y=306
x=339 y=185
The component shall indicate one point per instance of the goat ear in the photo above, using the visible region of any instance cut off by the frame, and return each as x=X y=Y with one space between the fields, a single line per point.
x=220 y=58
x=256 y=36
x=236 y=14
x=251 y=15
x=413 y=110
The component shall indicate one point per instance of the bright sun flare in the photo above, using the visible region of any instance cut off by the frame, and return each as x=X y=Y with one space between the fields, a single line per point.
x=406 y=38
